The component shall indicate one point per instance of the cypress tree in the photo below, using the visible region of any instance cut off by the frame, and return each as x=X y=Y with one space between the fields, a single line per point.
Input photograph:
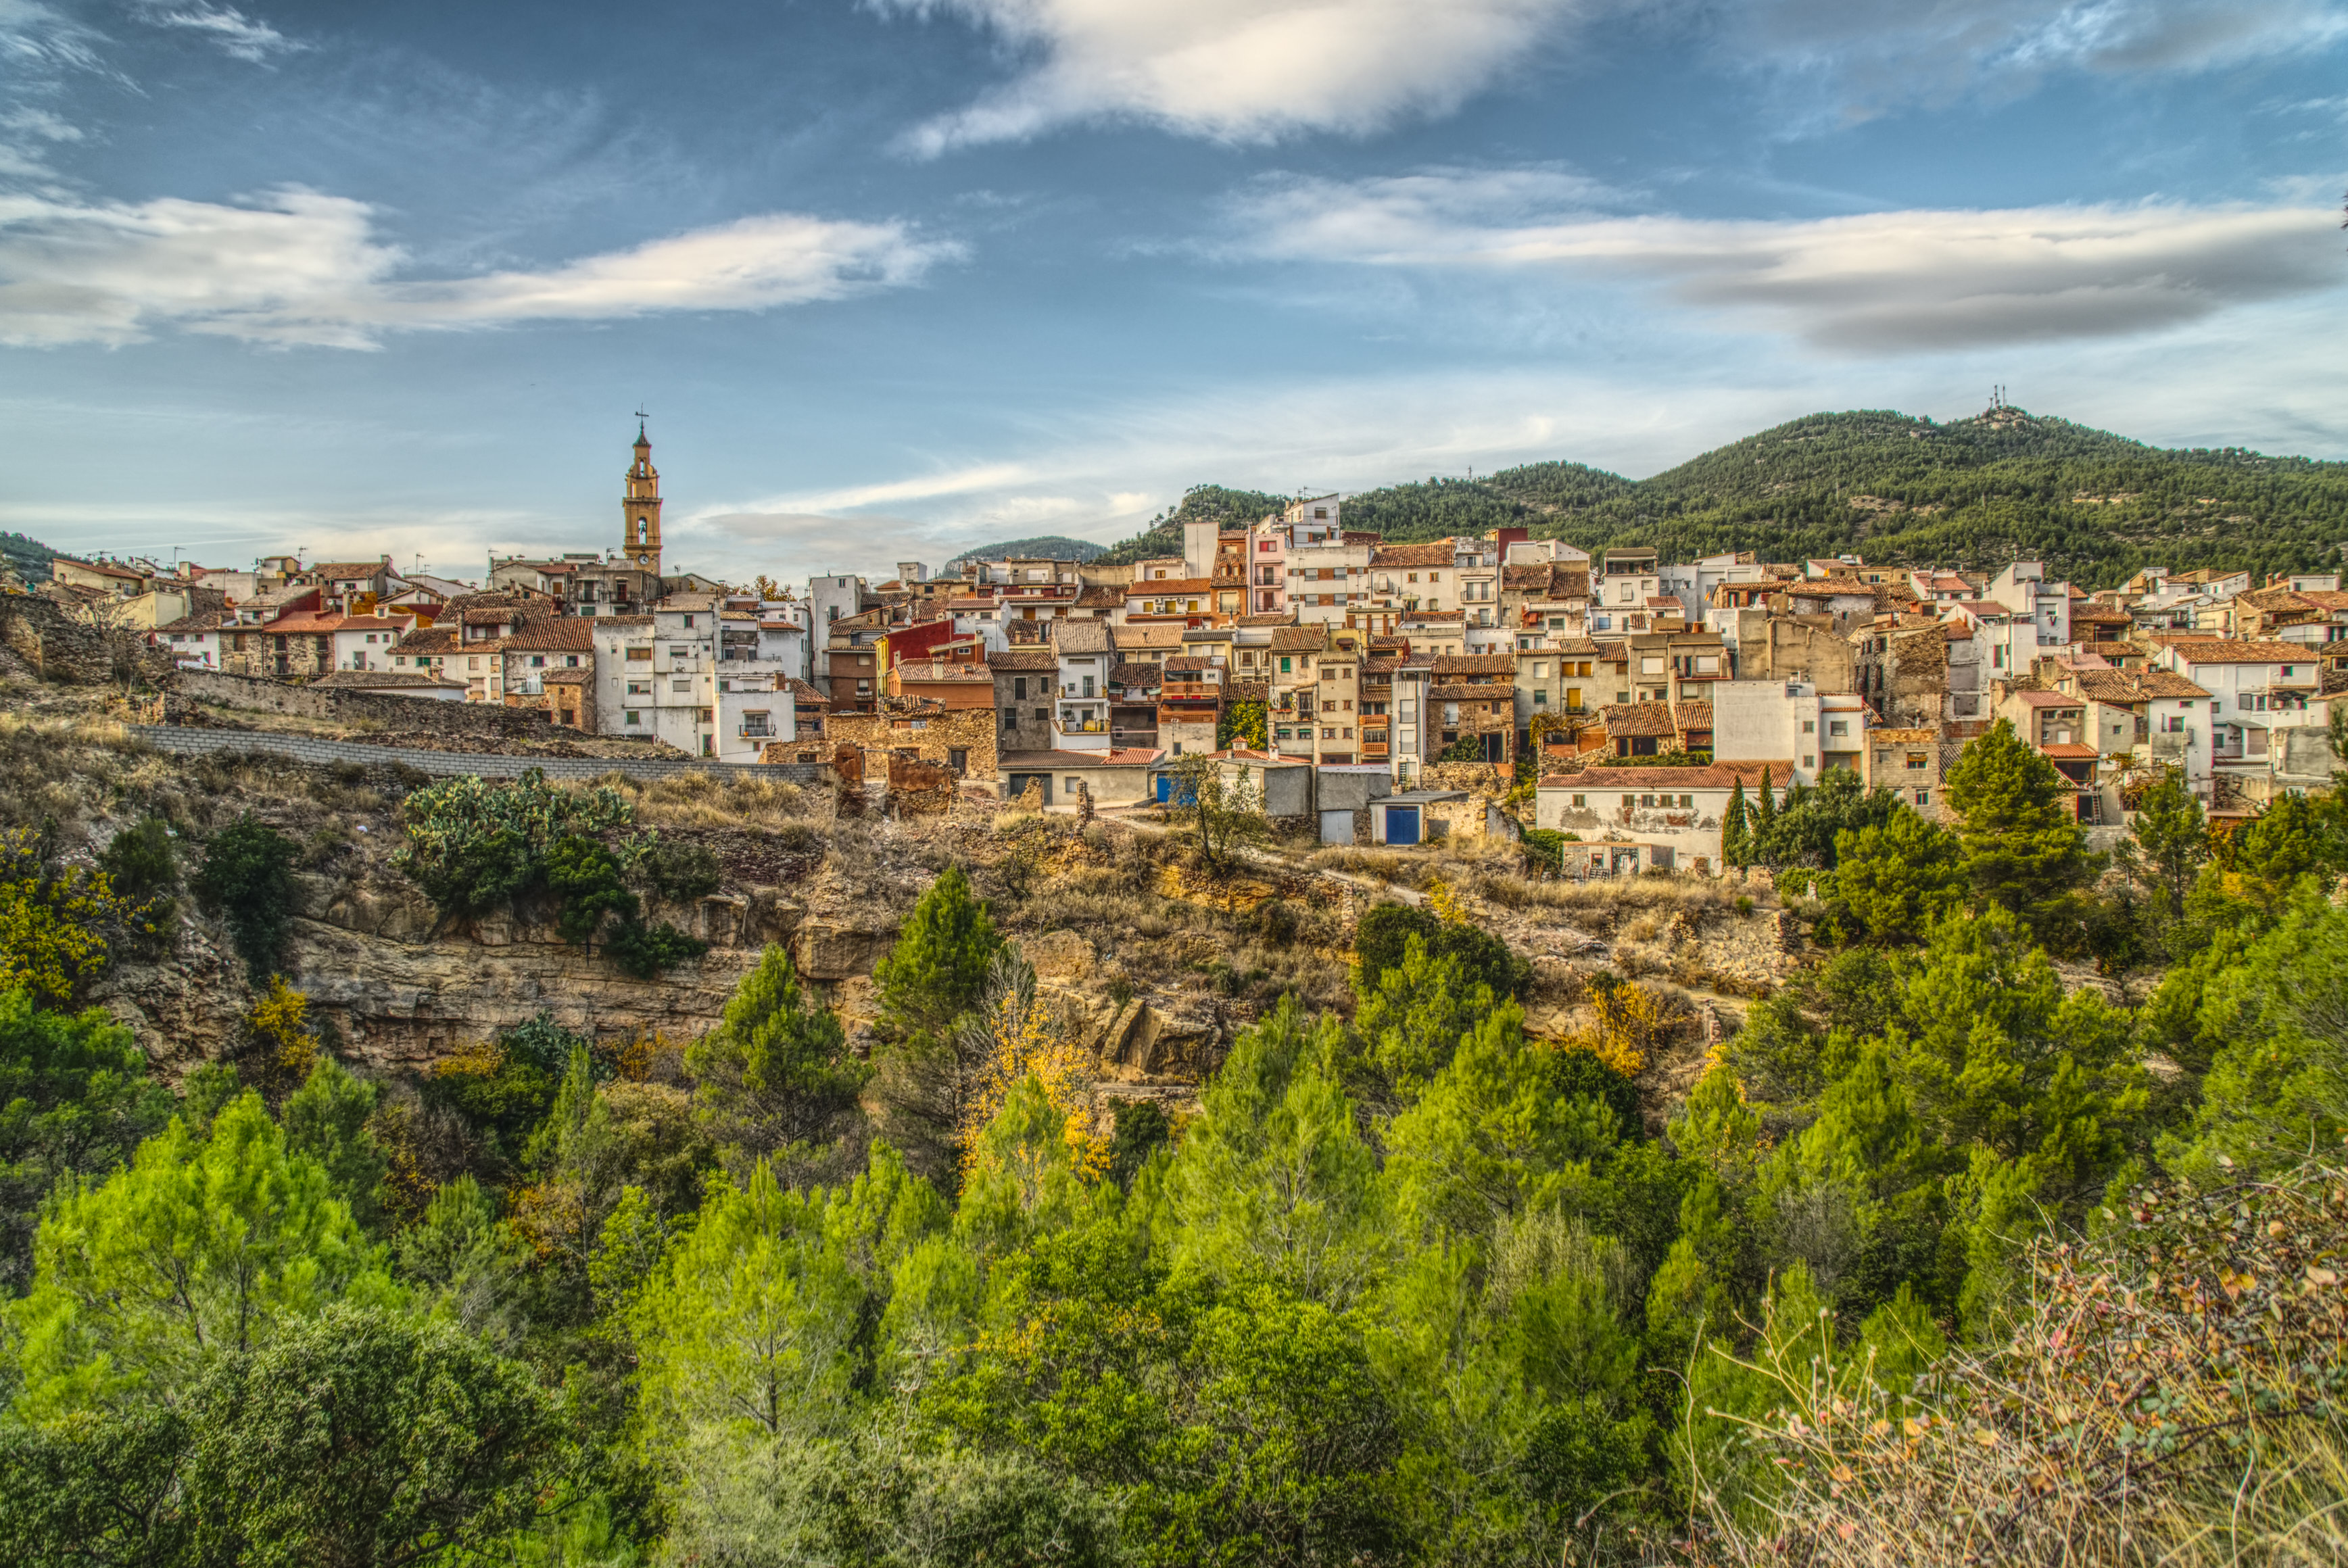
x=1757 y=844
x=1735 y=836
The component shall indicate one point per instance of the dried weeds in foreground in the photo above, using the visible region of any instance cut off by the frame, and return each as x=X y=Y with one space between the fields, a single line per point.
x=2175 y=1394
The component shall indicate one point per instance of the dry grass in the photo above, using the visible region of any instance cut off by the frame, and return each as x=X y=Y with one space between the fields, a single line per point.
x=1609 y=901
x=1396 y=868
x=707 y=801
x=2176 y=1395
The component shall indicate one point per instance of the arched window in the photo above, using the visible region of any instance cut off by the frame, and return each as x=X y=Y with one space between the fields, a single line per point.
x=641 y=525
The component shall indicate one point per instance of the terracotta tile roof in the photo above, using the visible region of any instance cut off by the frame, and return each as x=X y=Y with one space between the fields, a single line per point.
x=1692 y=715
x=1188 y=666
x=350 y=568
x=432 y=640
x=2046 y=700
x=1439 y=552
x=1476 y=664
x=1637 y=719
x=1080 y=636
x=554 y=634
x=2221 y=650
x=1023 y=658
x=1160 y=636
x=1375 y=666
x=1136 y=675
x=1573 y=647
x=1100 y=596
x=1265 y=619
x=302 y=623
x=1170 y=585
x=1903 y=737
x=1248 y=691
x=804 y=695
x=1299 y=639
x=2124 y=686
x=1431 y=617
x=202 y=620
x=2068 y=751
x=1465 y=693
x=569 y=677
x=2326 y=598
x=941 y=670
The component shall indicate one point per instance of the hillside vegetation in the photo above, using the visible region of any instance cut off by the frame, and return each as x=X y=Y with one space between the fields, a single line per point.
x=1902 y=490
x=30 y=556
x=1051 y=546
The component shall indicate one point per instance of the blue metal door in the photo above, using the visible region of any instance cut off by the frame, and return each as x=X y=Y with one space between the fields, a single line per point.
x=1402 y=824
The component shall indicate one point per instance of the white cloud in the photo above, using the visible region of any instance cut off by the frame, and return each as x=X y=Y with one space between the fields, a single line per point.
x=1235 y=70
x=300 y=267
x=232 y=29
x=1884 y=283
x=1872 y=54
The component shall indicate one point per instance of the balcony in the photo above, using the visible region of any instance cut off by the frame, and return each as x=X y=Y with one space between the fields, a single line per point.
x=1190 y=692
x=757 y=733
x=1091 y=727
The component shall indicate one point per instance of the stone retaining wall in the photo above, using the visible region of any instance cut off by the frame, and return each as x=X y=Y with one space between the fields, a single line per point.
x=485 y=764
x=417 y=713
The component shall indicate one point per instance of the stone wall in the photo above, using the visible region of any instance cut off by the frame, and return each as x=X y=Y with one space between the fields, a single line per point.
x=254 y=695
x=59 y=648
x=318 y=753
x=929 y=736
x=1772 y=647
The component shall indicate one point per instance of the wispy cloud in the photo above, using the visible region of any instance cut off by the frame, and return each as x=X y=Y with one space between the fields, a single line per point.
x=245 y=37
x=1859 y=58
x=1885 y=283
x=1235 y=70
x=301 y=267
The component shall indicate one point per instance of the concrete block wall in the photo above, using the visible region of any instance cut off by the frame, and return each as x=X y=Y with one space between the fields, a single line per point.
x=453 y=764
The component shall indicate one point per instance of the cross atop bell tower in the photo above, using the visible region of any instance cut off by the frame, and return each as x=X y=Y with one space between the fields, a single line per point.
x=640 y=509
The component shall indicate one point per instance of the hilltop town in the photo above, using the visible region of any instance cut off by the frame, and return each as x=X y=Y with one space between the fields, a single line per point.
x=1370 y=692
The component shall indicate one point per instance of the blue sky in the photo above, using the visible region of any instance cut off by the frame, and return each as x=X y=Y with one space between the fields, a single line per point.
x=899 y=276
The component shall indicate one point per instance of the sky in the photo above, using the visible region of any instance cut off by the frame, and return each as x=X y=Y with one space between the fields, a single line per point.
x=894 y=278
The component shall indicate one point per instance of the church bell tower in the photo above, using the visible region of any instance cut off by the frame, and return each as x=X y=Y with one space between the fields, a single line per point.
x=640 y=538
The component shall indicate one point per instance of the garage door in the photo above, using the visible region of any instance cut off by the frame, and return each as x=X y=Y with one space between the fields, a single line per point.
x=1019 y=782
x=1402 y=824
x=1336 y=827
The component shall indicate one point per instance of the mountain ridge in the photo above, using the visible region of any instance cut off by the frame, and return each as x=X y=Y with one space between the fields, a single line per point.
x=1902 y=489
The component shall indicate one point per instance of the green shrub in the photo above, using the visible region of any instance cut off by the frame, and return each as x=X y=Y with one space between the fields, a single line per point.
x=645 y=950
x=589 y=880
x=679 y=872
x=247 y=878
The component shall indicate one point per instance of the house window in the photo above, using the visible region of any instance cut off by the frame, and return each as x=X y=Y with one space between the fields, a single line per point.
x=1809 y=761
x=1019 y=688
x=1541 y=699
x=1923 y=797
x=1581 y=801
x=1687 y=800
x=1287 y=665
x=633 y=717
x=1918 y=761
x=1837 y=726
x=1809 y=726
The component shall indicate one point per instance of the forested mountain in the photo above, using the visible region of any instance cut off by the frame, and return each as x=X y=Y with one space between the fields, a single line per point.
x=1054 y=547
x=30 y=556
x=1907 y=491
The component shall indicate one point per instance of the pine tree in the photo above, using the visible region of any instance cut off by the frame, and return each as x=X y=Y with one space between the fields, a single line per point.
x=938 y=968
x=2277 y=1093
x=2174 y=837
x=203 y=1249
x=327 y=1119
x=776 y=1072
x=1894 y=881
x=2025 y=850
